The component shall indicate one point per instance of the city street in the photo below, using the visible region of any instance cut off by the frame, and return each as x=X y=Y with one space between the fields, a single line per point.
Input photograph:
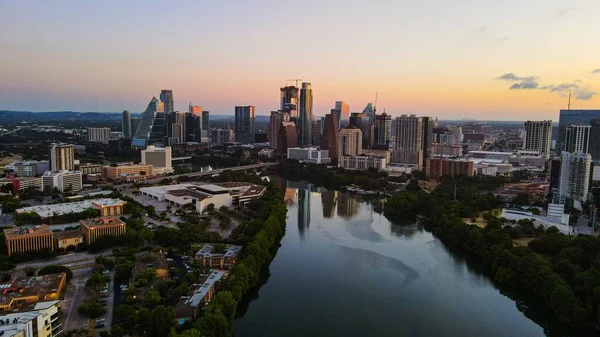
x=74 y=260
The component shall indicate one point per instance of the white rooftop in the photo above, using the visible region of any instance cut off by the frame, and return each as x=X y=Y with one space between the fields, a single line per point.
x=46 y=211
x=201 y=292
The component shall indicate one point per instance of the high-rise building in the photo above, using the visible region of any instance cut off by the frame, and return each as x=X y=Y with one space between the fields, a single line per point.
x=370 y=111
x=382 y=131
x=440 y=167
x=62 y=157
x=595 y=140
x=317 y=132
x=63 y=180
x=166 y=98
x=244 y=124
x=275 y=120
x=408 y=140
x=126 y=124
x=151 y=127
x=329 y=140
x=159 y=158
x=538 y=137
x=179 y=133
x=428 y=124
x=574 y=182
x=193 y=127
x=195 y=109
x=574 y=117
x=349 y=141
x=205 y=121
x=220 y=136
x=361 y=121
x=305 y=115
x=135 y=122
x=287 y=137
x=576 y=138
x=342 y=112
x=98 y=134
x=289 y=100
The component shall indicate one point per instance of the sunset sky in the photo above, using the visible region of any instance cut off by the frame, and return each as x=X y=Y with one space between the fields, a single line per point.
x=484 y=59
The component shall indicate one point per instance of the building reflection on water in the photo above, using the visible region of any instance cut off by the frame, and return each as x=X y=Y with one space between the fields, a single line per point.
x=290 y=196
x=347 y=206
x=329 y=200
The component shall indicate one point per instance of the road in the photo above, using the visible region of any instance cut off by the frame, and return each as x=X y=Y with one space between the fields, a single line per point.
x=110 y=300
x=76 y=260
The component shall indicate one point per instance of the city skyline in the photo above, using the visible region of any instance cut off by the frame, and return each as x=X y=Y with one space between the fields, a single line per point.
x=499 y=61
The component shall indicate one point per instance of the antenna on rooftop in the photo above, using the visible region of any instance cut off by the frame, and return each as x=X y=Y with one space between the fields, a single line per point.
x=569 y=107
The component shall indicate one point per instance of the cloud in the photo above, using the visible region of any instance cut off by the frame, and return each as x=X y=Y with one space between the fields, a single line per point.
x=524 y=85
x=561 y=13
x=585 y=94
x=564 y=87
x=511 y=77
x=597 y=71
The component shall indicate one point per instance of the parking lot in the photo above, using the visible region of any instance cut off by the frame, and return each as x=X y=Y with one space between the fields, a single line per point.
x=74 y=297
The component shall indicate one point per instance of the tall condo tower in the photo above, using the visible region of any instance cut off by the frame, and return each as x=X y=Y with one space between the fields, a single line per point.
x=244 y=124
x=126 y=124
x=305 y=114
x=538 y=137
x=166 y=98
x=289 y=100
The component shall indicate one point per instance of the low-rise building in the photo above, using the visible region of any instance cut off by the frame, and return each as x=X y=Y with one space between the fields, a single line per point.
x=63 y=180
x=200 y=295
x=401 y=168
x=362 y=162
x=224 y=259
x=454 y=150
x=309 y=155
x=154 y=260
x=119 y=172
x=98 y=134
x=106 y=206
x=21 y=184
x=29 y=168
x=440 y=167
x=90 y=169
x=28 y=238
x=41 y=321
x=517 y=214
x=21 y=292
x=92 y=229
x=68 y=240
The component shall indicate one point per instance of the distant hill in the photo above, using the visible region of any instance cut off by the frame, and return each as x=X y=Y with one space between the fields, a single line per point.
x=70 y=116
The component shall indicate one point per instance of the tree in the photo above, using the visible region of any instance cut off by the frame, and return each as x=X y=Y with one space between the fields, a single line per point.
x=93 y=310
x=161 y=320
x=521 y=199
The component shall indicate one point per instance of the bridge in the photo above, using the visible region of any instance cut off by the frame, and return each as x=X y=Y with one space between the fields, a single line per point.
x=216 y=171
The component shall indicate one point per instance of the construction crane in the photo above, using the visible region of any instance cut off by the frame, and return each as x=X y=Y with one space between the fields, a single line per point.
x=295 y=79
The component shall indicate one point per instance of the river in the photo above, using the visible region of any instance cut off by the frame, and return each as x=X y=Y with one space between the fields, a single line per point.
x=345 y=270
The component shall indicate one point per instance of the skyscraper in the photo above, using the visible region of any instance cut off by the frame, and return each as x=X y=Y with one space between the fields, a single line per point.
x=62 y=157
x=195 y=109
x=361 y=121
x=342 y=112
x=166 y=98
x=574 y=117
x=205 y=120
x=382 y=132
x=244 y=124
x=151 y=128
x=275 y=120
x=538 y=137
x=289 y=100
x=193 y=127
x=126 y=124
x=576 y=138
x=305 y=115
x=370 y=111
x=408 y=140
x=179 y=127
x=316 y=131
x=349 y=141
x=595 y=140
x=574 y=182
x=287 y=137
x=329 y=140
x=428 y=124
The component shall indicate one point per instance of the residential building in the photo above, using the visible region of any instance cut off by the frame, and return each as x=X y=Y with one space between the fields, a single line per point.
x=225 y=259
x=244 y=124
x=28 y=238
x=41 y=321
x=275 y=120
x=179 y=128
x=305 y=115
x=20 y=292
x=195 y=110
x=98 y=135
x=151 y=127
x=349 y=141
x=124 y=171
x=342 y=112
x=317 y=131
x=30 y=168
x=126 y=124
x=220 y=136
x=555 y=166
x=290 y=100
x=329 y=140
x=201 y=293
x=594 y=149
x=92 y=229
x=288 y=137
x=438 y=149
x=205 y=121
x=106 y=207
x=309 y=155
x=22 y=184
x=159 y=158
x=90 y=169
x=538 y=137
x=62 y=157
x=362 y=162
x=64 y=181
x=576 y=138
x=441 y=167
x=412 y=139
x=193 y=126
x=574 y=117
x=574 y=182
x=382 y=131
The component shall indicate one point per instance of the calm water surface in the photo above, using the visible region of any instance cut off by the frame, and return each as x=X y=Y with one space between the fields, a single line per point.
x=345 y=270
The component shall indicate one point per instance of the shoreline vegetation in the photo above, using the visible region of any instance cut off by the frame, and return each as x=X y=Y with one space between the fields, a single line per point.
x=561 y=271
